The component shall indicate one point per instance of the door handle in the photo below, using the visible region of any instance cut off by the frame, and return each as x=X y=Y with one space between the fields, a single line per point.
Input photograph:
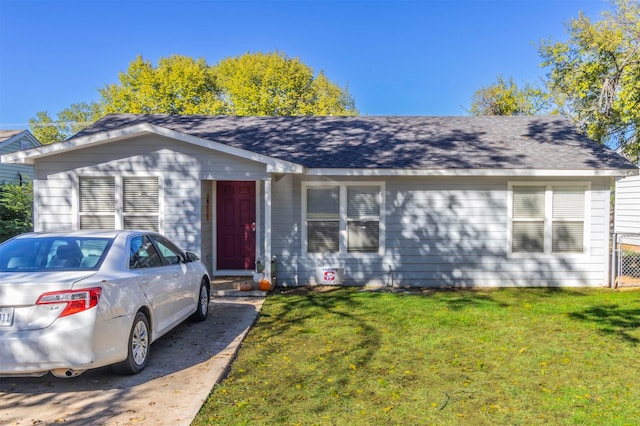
x=253 y=227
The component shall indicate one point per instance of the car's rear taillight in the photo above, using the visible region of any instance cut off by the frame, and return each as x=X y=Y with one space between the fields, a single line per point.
x=76 y=300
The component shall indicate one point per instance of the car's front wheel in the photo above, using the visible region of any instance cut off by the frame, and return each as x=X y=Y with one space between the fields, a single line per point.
x=139 y=344
x=202 y=308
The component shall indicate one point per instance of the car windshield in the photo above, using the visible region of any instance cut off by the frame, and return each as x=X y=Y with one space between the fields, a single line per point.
x=53 y=253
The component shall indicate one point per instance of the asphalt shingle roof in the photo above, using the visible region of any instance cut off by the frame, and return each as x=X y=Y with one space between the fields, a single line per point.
x=377 y=142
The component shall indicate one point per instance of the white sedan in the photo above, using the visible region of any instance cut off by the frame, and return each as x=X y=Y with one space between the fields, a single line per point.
x=79 y=300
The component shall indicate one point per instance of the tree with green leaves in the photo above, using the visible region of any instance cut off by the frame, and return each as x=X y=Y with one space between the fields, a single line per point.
x=274 y=84
x=69 y=122
x=178 y=85
x=251 y=84
x=45 y=129
x=505 y=97
x=594 y=76
x=16 y=203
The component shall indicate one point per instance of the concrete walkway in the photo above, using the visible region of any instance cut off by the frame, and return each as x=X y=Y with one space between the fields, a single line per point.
x=183 y=368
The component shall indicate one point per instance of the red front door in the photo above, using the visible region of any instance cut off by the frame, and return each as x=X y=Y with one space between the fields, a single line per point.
x=236 y=219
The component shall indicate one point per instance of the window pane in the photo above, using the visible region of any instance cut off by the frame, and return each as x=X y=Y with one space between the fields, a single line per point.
x=528 y=237
x=148 y=223
x=323 y=237
x=140 y=195
x=568 y=203
x=362 y=201
x=363 y=236
x=568 y=237
x=97 y=222
x=323 y=203
x=528 y=202
x=97 y=194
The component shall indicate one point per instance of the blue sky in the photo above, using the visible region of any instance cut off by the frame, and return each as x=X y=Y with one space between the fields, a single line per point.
x=396 y=57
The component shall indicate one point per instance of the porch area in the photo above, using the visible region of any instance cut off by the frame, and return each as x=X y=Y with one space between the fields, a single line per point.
x=230 y=286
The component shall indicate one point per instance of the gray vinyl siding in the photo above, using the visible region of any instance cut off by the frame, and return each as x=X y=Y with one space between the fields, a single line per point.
x=9 y=172
x=181 y=168
x=436 y=231
x=53 y=196
x=206 y=248
x=286 y=230
x=447 y=232
x=627 y=210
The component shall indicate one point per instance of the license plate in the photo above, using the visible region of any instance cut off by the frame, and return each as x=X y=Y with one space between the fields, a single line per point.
x=6 y=316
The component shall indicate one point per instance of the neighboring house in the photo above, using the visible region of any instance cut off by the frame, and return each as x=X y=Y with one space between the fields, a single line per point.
x=11 y=141
x=627 y=206
x=626 y=257
x=415 y=201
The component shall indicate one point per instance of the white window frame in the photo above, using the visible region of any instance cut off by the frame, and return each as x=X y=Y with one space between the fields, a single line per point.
x=548 y=219
x=343 y=220
x=119 y=194
x=129 y=215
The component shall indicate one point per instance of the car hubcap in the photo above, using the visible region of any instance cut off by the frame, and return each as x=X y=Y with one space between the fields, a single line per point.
x=140 y=343
x=204 y=299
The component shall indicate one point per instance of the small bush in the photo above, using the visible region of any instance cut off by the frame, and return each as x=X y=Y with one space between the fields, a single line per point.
x=16 y=206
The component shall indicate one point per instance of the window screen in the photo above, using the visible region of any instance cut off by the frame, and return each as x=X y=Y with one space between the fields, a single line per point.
x=336 y=212
x=528 y=219
x=140 y=199
x=556 y=228
x=363 y=219
x=97 y=203
x=323 y=220
x=568 y=219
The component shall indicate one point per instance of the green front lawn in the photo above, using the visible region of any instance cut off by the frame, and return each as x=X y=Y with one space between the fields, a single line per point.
x=513 y=356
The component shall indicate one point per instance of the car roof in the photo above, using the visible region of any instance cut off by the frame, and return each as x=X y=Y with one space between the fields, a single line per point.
x=95 y=233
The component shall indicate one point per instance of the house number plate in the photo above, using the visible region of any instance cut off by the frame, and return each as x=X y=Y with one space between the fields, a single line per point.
x=6 y=316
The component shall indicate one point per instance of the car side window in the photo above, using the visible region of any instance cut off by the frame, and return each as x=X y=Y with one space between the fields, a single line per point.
x=171 y=255
x=143 y=254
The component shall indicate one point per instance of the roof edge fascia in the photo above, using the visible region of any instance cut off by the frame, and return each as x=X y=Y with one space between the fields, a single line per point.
x=474 y=172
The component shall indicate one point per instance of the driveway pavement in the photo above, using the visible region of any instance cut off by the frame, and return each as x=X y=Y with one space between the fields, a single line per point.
x=183 y=367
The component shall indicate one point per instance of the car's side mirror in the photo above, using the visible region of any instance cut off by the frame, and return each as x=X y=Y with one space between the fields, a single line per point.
x=192 y=257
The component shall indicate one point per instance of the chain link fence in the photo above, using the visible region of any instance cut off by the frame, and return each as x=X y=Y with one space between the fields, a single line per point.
x=627 y=260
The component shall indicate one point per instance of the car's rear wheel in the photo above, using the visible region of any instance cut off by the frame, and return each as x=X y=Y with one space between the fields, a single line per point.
x=202 y=308
x=139 y=344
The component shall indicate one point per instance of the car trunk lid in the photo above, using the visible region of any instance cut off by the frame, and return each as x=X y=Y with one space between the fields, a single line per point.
x=19 y=292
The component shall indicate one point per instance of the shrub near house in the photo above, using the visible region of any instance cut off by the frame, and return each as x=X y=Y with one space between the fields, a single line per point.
x=16 y=203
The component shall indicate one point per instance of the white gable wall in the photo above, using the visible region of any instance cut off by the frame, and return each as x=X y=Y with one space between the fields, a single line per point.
x=180 y=167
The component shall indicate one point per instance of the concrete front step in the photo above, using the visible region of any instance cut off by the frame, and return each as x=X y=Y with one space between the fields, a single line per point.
x=230 y=287
x=238 y=293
